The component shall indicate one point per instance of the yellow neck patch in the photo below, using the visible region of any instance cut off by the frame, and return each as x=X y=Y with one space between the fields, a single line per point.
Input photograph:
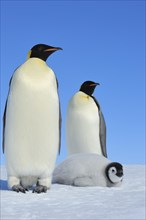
x=29 y=54
x=85 y=96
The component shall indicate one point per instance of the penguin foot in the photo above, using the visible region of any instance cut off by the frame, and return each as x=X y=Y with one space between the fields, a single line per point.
x=19 y=188
x=40 y=189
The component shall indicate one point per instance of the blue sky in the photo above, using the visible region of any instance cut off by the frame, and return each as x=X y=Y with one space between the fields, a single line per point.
x=103 y=41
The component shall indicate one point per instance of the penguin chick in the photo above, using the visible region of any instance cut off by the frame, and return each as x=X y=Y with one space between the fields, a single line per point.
x=32 y=123
x=88 y=170
x=85 y=124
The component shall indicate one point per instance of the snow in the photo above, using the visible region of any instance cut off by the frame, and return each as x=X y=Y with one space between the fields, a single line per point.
x=69 y=202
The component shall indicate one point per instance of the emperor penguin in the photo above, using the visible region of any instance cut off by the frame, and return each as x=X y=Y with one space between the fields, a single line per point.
x=32 y=123
x=87 y=169
x=85 y=124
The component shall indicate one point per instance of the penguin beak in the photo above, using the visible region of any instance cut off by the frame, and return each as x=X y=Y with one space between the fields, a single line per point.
x=53 y=49
x=120 y=173
x=94 y=84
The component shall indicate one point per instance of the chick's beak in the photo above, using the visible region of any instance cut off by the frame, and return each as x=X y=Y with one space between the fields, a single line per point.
x=120 y=174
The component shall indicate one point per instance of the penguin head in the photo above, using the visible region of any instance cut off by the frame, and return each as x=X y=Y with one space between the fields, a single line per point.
x=42 y=51
x=114 y=172
x=88 y=87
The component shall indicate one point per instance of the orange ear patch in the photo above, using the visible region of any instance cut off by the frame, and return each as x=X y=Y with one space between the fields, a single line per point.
x=29 y=54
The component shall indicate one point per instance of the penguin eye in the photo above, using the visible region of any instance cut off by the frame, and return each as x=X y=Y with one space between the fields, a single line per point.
x=113 y=170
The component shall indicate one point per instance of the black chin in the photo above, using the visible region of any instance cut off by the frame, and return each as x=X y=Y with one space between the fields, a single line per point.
x=43 y=55
x=47 y=54
x=88 y=90
x=119 y=174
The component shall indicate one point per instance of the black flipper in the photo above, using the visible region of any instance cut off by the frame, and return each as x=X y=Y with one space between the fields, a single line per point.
x=60 y=122
x=4 y=118
x=102 y=131
x=4 y=124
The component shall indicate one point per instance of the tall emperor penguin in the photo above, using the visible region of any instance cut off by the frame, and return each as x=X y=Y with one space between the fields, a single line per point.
x=31 y=123
x=85 y=124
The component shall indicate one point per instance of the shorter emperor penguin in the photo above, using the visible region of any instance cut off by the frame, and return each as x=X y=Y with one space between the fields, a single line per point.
x=31 y=123
x=85 y=124
x=88 y=170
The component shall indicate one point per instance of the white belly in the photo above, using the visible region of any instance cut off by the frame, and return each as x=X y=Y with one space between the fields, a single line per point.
x=32 y=130
x=82 y=128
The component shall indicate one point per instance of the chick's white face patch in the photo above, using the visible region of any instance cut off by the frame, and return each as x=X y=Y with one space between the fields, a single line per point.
x=112 y=175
